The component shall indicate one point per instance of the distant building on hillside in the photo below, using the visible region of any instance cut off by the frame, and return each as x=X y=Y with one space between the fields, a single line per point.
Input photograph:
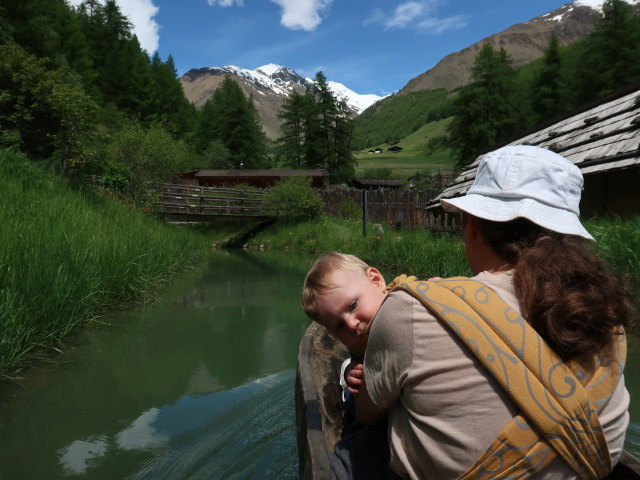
x=602 y=139
x=255 y=178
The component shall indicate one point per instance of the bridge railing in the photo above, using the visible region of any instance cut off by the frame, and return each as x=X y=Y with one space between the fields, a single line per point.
x=213 y=201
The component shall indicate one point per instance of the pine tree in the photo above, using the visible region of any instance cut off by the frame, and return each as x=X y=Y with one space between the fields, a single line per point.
x=549 y=91
x=291 y=143
x=610 y=59
x=487 y=110
x=232 y=119
x=344 y=167
x=317 y=131
x=168 y=104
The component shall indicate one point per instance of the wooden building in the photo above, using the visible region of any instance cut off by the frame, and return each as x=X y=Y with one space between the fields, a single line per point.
x=255 y=178
x=603 y=140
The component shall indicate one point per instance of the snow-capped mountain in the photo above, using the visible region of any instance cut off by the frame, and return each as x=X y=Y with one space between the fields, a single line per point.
x=596 y=5
x=269 y=85
x=524 y=42
x=355 y=101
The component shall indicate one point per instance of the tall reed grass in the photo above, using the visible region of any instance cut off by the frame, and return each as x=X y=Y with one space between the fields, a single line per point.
x=66 y=256
x=427 y=254
x=618 y=244
x=418 y=252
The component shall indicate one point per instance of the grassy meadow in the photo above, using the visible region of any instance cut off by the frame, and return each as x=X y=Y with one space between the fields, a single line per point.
x=413 y=157
x=68 y=255
x=416 y=251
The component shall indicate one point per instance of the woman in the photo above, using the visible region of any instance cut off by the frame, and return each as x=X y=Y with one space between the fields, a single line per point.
x=459 y=365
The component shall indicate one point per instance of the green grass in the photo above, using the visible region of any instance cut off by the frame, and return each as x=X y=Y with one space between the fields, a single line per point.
x=413 y=157
x=618 y=244
x=425 y=254
x=67 y=256
x=418 y=252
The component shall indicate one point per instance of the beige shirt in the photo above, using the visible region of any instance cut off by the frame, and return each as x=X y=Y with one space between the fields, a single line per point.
x=446 y=409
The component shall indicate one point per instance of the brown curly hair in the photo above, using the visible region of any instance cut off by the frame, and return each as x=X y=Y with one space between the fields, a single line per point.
x=565 y=291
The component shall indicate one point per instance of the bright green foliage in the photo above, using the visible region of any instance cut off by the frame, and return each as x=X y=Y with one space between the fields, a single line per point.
x=397 y=116
x=487 y=109
x=232 y=119
x=67 y=256
x=618 y=244
x=317 y=131
x=292 y=198
x=137 y=155
x=418 y=251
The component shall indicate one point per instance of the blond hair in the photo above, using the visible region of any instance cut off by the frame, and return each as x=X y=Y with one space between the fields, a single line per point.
x=317 y=279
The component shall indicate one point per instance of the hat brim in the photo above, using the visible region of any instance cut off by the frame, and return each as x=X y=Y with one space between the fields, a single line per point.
x=504 y=209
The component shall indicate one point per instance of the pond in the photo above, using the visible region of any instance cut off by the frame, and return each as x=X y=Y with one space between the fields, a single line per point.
x=196 y=385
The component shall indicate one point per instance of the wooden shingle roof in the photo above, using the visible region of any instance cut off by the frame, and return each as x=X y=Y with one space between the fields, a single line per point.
x=605 y=137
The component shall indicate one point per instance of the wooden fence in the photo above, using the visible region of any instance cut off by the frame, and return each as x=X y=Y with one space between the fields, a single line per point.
x=207 y=201
x=387 y=206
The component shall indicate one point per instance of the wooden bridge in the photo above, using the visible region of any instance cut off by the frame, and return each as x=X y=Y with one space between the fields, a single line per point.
x=197 y=204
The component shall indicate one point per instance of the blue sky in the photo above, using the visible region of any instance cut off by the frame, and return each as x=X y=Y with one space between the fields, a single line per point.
x=371 y=46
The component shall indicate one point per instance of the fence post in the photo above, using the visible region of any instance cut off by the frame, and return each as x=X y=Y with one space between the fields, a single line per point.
x=364 y=212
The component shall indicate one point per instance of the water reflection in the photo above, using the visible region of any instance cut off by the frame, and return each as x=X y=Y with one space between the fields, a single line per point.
x=196 y=385
x=209 y=436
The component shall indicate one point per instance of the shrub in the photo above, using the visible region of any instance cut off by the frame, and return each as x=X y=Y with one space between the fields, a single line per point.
x=293 y=199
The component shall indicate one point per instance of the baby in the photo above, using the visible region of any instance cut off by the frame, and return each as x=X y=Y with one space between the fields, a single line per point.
x=343 y=294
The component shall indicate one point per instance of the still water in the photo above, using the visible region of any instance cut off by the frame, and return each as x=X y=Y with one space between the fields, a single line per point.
x=197 y=385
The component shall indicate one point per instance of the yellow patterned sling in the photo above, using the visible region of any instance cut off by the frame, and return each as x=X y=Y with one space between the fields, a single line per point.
x=556 y=399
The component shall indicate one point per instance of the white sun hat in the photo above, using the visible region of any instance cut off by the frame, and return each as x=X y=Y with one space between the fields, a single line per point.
x=522 y=181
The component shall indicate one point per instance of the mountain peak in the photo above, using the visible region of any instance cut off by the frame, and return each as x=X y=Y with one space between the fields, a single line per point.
x=270 y=68
x=268 y=85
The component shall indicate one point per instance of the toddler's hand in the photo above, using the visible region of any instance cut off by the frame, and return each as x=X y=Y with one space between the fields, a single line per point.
x=354 y=377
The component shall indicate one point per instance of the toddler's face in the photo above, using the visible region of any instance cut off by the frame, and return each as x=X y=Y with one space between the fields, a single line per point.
x=346 y=310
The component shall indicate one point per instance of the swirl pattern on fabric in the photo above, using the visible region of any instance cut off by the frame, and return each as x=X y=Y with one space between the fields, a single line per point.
x=556 y=399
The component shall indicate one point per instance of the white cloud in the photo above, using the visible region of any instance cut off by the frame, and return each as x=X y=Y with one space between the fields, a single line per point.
x=404 y=14
x=76 y=456
x=226 y=3
x=302 y=14
x=141 y=433
x=140 y=13
x=439 y=25
x=416 y=14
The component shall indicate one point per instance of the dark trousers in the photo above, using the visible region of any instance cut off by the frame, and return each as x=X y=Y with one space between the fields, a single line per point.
x=363 y=453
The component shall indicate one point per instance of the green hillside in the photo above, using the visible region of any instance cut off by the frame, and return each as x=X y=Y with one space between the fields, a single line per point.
x=422 y=150
x=398 y=116
x=501 y=102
